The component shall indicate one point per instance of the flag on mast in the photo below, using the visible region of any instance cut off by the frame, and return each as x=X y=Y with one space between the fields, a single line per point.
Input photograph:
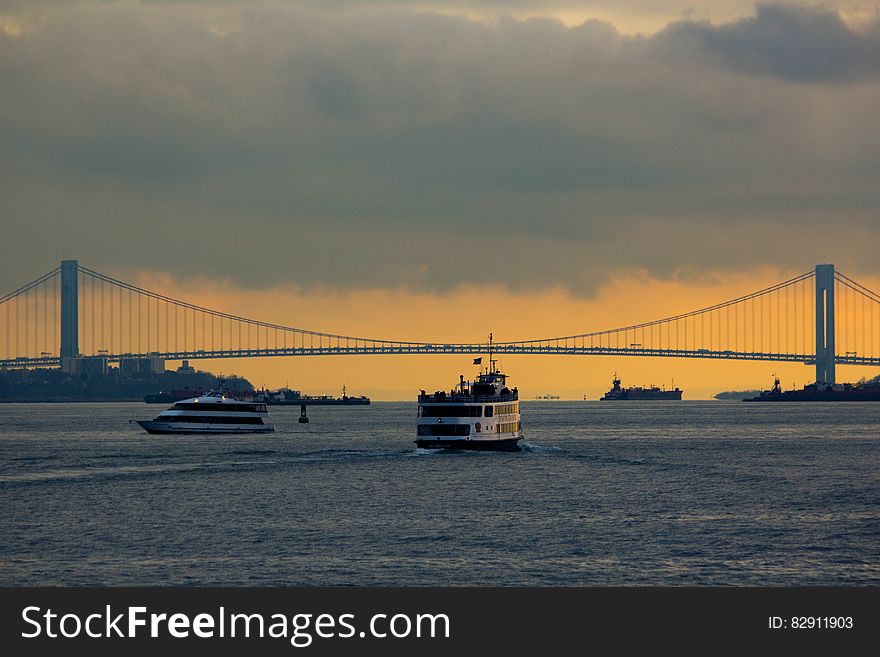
x=478 y=361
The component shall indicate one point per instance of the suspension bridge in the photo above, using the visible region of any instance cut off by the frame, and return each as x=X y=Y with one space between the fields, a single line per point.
x=73 y=317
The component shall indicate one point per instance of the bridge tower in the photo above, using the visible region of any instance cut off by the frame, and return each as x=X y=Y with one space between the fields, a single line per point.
x=69 y=309
x=825 y=324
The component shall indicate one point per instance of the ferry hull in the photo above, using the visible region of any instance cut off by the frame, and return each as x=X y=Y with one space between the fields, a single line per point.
x=162 y=428
x=504 y=445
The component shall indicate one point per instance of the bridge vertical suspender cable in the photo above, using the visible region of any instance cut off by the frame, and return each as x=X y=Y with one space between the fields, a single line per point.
x=771 y=324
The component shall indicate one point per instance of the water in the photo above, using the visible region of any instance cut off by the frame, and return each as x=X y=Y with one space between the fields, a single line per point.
x=603 y=493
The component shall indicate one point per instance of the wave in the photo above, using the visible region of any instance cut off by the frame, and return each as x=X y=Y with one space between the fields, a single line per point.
x=279 y=459
x=84 y=473
x=538 y=449
x=334 y=454
x=523 y=447
x=250 y=452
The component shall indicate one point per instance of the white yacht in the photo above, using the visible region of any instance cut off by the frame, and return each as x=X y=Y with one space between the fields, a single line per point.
x=480 y=415
x=211 y=413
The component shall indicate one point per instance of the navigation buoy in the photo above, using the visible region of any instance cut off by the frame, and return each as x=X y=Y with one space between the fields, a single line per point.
x=303 y=418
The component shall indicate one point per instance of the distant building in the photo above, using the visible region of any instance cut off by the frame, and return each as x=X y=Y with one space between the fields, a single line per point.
x=141 y=366
x=186 y=368
x=86 y=366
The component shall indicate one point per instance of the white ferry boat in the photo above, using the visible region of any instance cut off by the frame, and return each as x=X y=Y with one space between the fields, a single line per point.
x=211 y=413
x=479 y=415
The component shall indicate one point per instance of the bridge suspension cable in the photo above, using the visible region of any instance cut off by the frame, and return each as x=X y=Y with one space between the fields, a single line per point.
x=181 y=327
x=28 y=318
x=857 y=319
x=716 y=326
x=75 y=310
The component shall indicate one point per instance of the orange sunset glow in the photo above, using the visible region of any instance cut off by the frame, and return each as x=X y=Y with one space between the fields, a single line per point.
x=461 y=316
x=308 y=306
x=435 y=172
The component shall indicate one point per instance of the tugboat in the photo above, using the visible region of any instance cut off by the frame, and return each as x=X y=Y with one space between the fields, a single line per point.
x=864 y=391
x=638 y=393
x=475 y=415
x=774 y=394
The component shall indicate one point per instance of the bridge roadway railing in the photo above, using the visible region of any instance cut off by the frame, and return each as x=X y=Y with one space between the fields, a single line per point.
x=477 y=349
x=470 y=349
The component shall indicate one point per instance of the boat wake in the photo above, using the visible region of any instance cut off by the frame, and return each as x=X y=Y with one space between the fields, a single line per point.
x=523 y=447
x=538 y=449
x=342 y=454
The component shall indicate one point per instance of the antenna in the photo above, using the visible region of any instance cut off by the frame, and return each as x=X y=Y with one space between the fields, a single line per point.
x=491 y=362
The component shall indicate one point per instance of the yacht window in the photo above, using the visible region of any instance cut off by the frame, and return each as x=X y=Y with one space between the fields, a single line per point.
x=226 y=407
x=488 y=411
x=209 y=419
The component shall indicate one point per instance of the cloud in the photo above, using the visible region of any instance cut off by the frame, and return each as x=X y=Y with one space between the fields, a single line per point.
x=390 y=148
x=785 y=41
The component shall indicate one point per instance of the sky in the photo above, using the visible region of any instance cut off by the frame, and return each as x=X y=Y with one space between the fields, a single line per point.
x=418 y=170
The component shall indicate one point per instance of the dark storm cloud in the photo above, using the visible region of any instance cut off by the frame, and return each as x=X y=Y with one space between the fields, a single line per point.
x=784 y=41
x=271 y=143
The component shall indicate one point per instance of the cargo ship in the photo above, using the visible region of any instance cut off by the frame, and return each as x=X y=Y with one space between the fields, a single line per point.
x=638 y=393
x=288 y=397
x=865 y=391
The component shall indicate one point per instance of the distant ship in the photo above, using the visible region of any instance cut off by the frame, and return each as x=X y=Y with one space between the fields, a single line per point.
x=288 y=397
x=171 y=396
x=637 y=393
x=282 y=397
x=821 y=392
x=736 y=395
x=539 y=397
x=479 y=415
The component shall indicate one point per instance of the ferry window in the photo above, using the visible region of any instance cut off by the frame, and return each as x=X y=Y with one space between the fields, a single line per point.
x=444 y=429
x=488 y=411
x=451 y=411
x=507 y=427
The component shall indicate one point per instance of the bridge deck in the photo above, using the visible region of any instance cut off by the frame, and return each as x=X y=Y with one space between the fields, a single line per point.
x=470 y=349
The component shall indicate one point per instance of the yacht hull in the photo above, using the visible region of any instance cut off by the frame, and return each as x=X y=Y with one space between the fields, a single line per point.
x=153 y=427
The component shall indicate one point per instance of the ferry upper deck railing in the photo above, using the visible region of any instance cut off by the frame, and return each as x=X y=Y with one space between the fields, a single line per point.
x=446 y=398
